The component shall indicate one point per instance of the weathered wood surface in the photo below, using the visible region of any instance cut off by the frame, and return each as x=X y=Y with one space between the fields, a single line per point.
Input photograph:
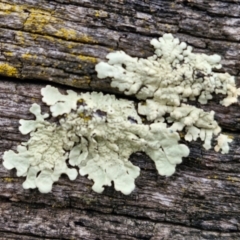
x=61 y=41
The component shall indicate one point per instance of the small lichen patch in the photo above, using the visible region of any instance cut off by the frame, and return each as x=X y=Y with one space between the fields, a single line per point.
x=38 y=20
x=8 y=54
x=20 y=38
x=233 y=179
x=83 y=80
x=28 y=56
x=101 y=14
x=71 y=34
x=87 y=79
x=9 y=179
x=8 y=70
x=87 y=59
x=6 y=8
x=68 y=34
x=86 y=39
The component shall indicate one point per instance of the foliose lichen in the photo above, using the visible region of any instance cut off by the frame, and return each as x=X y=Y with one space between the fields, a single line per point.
x=97 y=133
x=167 y=80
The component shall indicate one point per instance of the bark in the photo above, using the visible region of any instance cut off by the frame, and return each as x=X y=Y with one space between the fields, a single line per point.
x=60 y=42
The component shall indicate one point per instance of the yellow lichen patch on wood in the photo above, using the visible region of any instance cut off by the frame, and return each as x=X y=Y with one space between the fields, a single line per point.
x=97 y=14
x=232 y=179
x=80 y=81
x=71 y=34
x=87 y=79
x=86 y=39
x=70 y=46
x=8 y=8
x=49 y=38
x=8 y=70
x=20 y=37
x=101 y=14
x=213 y=177
x=8 y=54
x=8 y=179
x=28 y=56
x=38 y=20
x=87 y=59
x=68 y=34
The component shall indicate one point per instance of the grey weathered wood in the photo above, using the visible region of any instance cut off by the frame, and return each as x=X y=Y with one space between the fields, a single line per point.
x=60 y=42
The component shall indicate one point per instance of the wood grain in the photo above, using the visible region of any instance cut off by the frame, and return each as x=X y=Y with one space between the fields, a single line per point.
x=59 y=42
